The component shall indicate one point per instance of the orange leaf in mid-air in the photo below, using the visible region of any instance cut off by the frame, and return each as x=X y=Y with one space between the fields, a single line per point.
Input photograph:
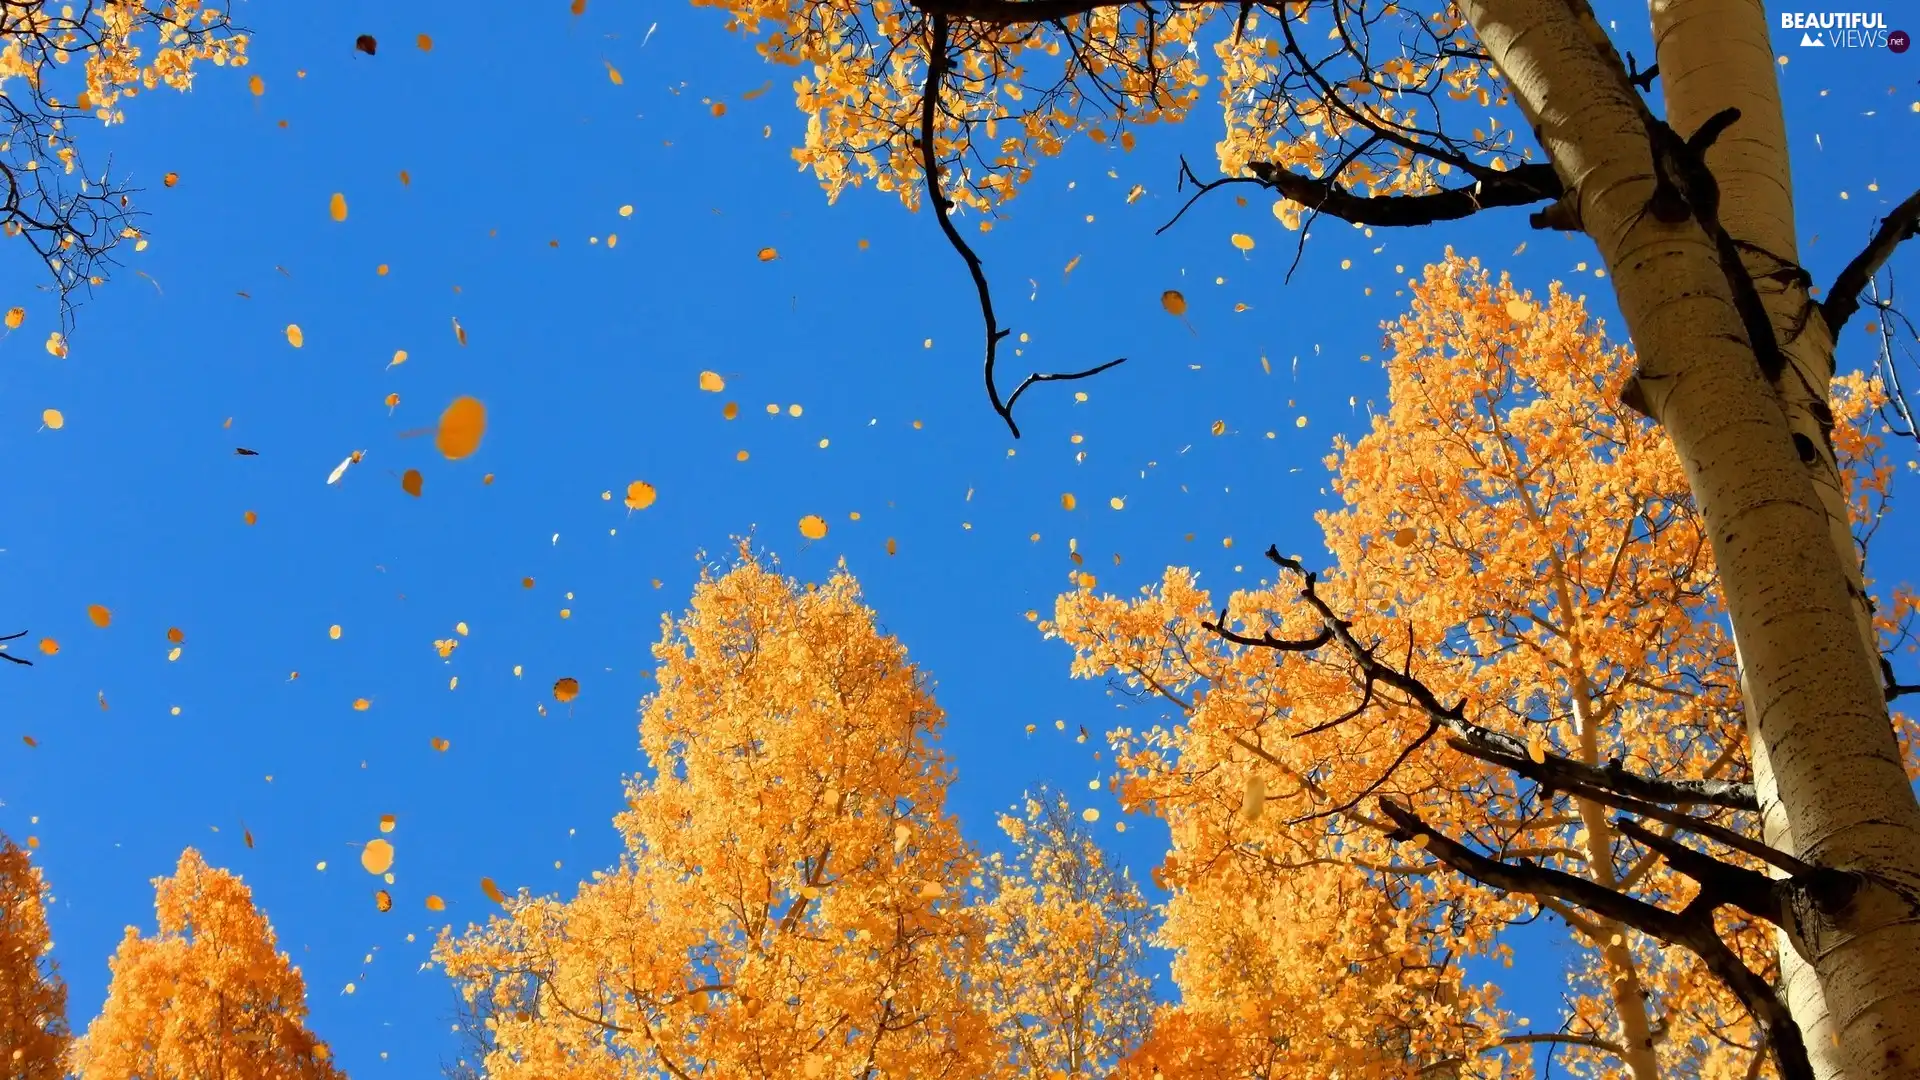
x=579 y=7
x=640 y=495
x=365 y=43
x=54 y=419
x=337 y=207
x=16 y=316
x=459 y=333
x=613 y=73
x=424 y=42
x=170 y=179
x=377 y=856
x=258 y=85
x=294 y=337
x=49 y=646
x=361 y=704
x=1175 y=303
x=176 y=635
x=441 y=744
x=99 y=615
x=768 y=254
x=434 y=903
x=461 y=427
x=411 y=482
x=493 y=891
x=712 y=382
x=382 y=900
x=813 y=527
x=566 y=689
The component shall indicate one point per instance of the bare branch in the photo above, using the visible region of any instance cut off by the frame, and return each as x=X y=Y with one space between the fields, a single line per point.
x=1691 y=929
x=1518 y=187
x=1843 y=296
x=938 y=66
x=5 y=655
x=1013 y=12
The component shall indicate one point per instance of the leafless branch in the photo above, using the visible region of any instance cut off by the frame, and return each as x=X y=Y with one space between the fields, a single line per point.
x=5 y=655
x=1843 y=296
x=1522 y=186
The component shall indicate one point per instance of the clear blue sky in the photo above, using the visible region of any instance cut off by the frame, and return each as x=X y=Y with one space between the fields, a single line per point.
x=587 y=357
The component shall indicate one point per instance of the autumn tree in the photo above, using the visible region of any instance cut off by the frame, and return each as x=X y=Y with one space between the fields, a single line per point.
x=209 y=997
x=1389 y=113
x=1513 y=695
x=33 y=999
x=64 y=65
x=1064 y=945
x=791 y=902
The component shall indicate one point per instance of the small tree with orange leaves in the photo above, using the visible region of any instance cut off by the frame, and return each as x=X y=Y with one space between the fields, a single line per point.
x=1515 y=694
x=207 y=998
x=1065 y=938
x=792 y=898
x=33 y=1000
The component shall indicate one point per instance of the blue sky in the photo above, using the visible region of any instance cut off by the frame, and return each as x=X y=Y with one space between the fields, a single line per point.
x=587 y=356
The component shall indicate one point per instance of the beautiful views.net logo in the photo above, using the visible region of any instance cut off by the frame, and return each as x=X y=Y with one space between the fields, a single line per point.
x=1844 y=30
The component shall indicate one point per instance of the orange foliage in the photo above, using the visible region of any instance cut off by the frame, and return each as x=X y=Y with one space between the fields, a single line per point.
x=1016 y=93
x=791 y=901
x=1065 y=935
x=208 y=996
x=1534 y=550
x=33 y=1000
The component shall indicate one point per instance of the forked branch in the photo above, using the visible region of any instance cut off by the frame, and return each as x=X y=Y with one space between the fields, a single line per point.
x=1843 y=296
x=938 y=66
x=5 y=655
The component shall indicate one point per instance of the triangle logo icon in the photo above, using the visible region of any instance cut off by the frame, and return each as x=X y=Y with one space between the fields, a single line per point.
x=1809 y=41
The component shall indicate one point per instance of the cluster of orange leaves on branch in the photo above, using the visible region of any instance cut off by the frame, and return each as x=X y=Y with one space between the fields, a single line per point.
x=1525 y=545
x=41 y=36
x=1019 y=91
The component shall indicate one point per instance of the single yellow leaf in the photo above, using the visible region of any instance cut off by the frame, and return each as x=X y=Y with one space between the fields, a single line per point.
x=424 y=42
x=493 y=891
x=434 y=903
x=1173 y=302
x=712 y=382
x=382 y=900
x=16 y=316
x=49 y=646
x=294 y=337
x=411 y=482
x=768 y=254
x=640 y=495
x=250 y=518
x=1519 y=311
x=1068 y=502
x=813 y=527
x=337 y=207
x=99 y=615
x=613 y=73
x=57 y=345
x=1243 y=241
x=461 y=428
x=1219 y=427
x=53 y=419
x=440 y=744
x=565 y=690
x=459 y=333
x=361 y=704
x=258 y=85
x=377 y=856
x=333 y=632
x=387 y=822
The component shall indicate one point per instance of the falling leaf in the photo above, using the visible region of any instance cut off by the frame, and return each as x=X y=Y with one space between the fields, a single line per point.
x=405 y=180
x=613 y=73
x=493 y=891
x=411 y=482
x=1519 y=311
x=382 y=900
x=1090 y=814
x=241 y=451
x=440 y=744
x=257 y=85
x=1173 y=302
x=365 y=43
x=1243 y=241
x=434 y=903
x=892 y=547
x=49 y=646
x=170 y=179
x=1219 y=427
x=16 y=316
x=461 y=427
x=387 y=822
x=294 y=337
x=53 y=419
x=1253 y=800
x=337 y=207
x=813 y=527
x=250 y=518
x=768 y=254
x=424 y=42
x=459 y=333
x=176 y=635
x=565 y=690
x=340 y=470
x=712 y=382
x=759 y=90
x=361 y=704
x=377 y=856
x=1068 y=502
x=640 y=495
x=719 y=108
x=99 y=615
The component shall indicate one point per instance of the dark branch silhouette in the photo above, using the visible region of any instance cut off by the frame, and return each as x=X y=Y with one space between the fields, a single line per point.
x=5 y=655
x=1843 y=296
x=938 y=65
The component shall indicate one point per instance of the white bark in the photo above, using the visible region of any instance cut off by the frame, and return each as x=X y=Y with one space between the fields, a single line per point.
x=1816 y=709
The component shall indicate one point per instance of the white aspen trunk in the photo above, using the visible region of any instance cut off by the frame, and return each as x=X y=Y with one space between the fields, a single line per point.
x=1714 y=54
x=1815 y=703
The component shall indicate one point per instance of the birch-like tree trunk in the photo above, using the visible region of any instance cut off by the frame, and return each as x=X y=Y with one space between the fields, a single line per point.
x=1817 y=713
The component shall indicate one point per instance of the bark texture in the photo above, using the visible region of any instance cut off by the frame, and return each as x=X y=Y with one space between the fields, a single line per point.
x=1817 y=716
